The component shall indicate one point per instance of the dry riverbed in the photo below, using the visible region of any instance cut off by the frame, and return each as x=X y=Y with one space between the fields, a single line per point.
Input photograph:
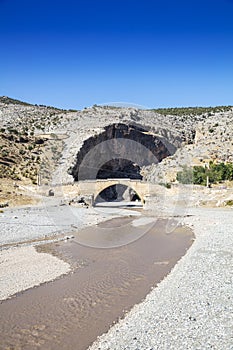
x=72 y=311
x=23 y=228
x=192 y=308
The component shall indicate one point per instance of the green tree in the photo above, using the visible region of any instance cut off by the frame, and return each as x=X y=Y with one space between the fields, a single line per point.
x=185 y=176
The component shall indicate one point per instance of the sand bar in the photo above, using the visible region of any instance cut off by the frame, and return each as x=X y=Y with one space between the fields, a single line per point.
x=23 y=267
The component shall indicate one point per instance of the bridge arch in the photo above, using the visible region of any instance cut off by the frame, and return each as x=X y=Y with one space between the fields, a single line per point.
x=140 y=188
x=92 y=188
x=117 y=192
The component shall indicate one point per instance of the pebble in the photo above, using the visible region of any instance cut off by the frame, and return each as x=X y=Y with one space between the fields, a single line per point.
x=192 y=307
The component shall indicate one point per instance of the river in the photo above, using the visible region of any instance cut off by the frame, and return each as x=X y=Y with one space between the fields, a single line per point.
x=114 y=266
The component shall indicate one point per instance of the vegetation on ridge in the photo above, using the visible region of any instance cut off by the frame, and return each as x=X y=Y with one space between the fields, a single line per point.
x=192 y=111
x=8 y=100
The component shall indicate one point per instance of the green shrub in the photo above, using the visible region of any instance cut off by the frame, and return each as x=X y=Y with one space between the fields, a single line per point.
x=165 y=184
x=185 y=176
x=188 y=111
x=198 y=174
x=168 y=185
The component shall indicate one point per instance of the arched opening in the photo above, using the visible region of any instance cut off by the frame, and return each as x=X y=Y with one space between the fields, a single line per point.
x=120 y=151
x=118 y=169
x=120 y=194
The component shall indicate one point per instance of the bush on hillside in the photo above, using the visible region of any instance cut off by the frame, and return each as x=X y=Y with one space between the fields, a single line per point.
x=198 y=174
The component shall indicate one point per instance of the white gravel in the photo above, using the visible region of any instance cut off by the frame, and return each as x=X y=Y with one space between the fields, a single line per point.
x=22 y=268
x=37 y=222
x=28 y=223
x=192 y=308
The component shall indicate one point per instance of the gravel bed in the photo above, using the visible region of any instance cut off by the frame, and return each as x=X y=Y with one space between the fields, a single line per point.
x=22 y=268
x=192 y=308
x=28 y=223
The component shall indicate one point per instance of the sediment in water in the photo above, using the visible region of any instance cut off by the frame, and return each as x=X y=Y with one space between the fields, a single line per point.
x=72 y=311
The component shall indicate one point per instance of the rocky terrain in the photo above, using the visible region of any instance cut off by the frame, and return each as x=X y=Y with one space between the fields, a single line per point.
x=39 y=145
x=43 y=145
x=212 y=142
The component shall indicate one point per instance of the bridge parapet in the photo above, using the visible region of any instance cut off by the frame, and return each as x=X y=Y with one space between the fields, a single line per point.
x=95 y=187
x=91 y=188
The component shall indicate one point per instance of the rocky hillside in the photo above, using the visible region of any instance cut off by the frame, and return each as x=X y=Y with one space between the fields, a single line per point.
x=212 y=142
x=25 y=148
x=39 y=143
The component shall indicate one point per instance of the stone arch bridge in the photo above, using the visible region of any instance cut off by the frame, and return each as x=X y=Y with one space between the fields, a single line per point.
x=93 y=188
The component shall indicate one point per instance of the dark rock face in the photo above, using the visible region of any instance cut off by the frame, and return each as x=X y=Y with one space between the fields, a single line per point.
x=119 y=152
x=119 y=168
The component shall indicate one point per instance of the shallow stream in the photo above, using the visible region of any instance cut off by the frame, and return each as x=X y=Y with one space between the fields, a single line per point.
x=115 y=265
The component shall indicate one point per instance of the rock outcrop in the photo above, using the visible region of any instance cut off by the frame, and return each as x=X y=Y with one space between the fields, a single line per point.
x=121 y=150
x=68 y=136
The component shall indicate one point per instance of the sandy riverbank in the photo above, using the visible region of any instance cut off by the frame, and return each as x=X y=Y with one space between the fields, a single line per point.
x=23 y=267
x=191 y=308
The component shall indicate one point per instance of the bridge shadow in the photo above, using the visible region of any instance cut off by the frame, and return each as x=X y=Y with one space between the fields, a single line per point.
x=119 y=204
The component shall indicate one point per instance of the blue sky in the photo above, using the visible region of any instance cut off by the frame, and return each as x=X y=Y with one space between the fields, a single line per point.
x=74 y=54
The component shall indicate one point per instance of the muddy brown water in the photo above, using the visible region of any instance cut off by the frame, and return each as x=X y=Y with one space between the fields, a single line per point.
x=70 y=312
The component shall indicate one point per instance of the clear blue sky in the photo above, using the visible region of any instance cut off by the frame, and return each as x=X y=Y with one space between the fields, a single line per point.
x=155 y=53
